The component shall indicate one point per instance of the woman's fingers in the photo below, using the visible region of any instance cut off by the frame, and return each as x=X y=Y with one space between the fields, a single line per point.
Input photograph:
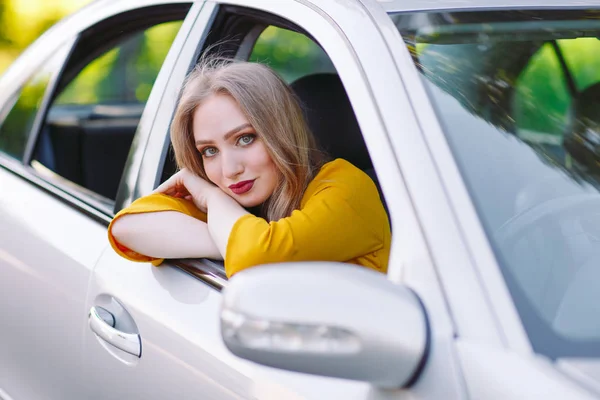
x=171 y=185
x=186 y=185
x=166 y=187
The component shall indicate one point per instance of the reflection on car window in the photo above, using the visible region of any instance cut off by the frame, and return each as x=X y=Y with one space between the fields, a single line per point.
x=17 y=119
x=518 y=96
x=291 y=54
x=90 y=125
x=542 y=79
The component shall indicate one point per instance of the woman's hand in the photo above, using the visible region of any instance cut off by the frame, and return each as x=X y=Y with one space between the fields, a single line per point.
x=185 y=184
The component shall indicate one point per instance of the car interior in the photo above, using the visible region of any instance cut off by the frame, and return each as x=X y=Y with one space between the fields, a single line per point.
x=324 y=100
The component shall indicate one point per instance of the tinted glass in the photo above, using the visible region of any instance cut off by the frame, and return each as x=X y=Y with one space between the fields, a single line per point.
x=518 y=96
x=18 y=116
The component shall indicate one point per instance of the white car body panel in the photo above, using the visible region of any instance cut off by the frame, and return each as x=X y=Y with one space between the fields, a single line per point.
x=503 y=375
x=45 y=268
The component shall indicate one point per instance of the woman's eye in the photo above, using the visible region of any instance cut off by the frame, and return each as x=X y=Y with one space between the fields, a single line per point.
x=246 y=139
x=209 y=152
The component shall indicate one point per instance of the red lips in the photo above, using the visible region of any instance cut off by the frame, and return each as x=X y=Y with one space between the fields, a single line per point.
x=241 y=187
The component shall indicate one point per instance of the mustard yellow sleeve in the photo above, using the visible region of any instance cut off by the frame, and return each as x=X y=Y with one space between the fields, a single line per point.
x=152 y=203
x=331 y=226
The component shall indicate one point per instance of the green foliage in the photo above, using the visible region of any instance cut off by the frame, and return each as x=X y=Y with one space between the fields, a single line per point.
x=126 y=73
x=291 y=54
x=542 y=98
x=22 y=21
x=582 y=58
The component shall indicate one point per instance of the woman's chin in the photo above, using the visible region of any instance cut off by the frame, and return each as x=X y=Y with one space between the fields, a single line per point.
x=249 y=201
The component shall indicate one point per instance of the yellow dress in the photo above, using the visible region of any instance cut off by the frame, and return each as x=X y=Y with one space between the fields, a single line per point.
x=341 y=218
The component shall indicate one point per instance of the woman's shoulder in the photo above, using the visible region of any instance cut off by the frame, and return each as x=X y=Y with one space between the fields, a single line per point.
x=346 y=178
x=340 y=170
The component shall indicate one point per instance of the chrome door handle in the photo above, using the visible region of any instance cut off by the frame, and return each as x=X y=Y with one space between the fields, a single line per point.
x=128 y=342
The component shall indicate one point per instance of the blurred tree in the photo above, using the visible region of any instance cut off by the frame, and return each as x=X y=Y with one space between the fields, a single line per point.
x=289 y=53
x=22 y=21
x=4 y=39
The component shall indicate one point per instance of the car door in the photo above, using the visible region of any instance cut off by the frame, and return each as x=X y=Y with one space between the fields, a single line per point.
x=43 y=276
x=82 y=103
x=174 y=309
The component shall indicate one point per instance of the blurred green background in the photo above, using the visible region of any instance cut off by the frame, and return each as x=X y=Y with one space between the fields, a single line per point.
x=22 y=21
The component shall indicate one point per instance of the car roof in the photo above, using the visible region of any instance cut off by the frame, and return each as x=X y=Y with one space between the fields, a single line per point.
x=464 y=5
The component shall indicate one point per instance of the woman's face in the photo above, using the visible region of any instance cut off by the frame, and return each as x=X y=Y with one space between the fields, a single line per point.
x=235 y=158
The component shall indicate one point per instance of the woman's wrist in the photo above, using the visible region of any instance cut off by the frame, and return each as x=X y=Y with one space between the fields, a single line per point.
x=215 y=195
x=226 y=211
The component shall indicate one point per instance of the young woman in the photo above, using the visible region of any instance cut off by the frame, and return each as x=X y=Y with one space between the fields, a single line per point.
x=252 y=187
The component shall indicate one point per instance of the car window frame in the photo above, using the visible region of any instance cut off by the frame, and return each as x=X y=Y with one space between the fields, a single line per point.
x=278 y=15
x=88 y=202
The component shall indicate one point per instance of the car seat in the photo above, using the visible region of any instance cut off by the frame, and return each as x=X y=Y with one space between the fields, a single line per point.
x=331 y=118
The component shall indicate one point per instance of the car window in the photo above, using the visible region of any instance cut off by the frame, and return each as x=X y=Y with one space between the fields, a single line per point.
x=291 y=54
x=90 y=125
x=302 y=63
x=518 y=97
x=125 y=73
x=18 y=116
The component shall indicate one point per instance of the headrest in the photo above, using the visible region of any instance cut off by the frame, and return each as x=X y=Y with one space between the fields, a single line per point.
x=330 y=117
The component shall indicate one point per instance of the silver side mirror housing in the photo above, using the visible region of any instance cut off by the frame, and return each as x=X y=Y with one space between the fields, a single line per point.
x=328 y=319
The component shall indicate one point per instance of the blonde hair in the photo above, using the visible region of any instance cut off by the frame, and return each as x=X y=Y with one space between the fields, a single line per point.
x=273 y=111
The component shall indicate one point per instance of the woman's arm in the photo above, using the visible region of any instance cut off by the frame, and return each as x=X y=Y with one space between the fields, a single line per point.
x=165 y=234
x=339 y=222
x=223 y=212
x=328 y=228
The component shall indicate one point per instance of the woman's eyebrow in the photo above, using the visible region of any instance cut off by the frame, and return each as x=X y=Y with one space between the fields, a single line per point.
x=228 y=134
x=236 y=130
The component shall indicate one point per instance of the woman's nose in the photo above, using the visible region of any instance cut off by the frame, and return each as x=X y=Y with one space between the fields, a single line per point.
x=232 y=166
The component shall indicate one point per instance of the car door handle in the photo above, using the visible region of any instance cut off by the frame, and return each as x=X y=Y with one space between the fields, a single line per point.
x=100 y=321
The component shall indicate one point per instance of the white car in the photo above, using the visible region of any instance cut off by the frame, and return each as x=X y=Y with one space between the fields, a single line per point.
x=478 y=119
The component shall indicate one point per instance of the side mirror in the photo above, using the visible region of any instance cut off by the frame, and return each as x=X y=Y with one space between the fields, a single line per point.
x=328 y=319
